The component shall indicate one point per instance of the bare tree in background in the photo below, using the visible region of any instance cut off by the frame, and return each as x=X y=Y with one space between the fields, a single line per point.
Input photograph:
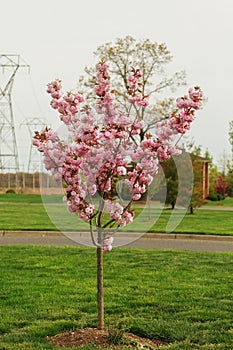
x=152 y=59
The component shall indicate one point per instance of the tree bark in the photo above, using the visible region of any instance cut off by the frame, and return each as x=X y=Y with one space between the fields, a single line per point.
x=191 y=209
x=100 y=288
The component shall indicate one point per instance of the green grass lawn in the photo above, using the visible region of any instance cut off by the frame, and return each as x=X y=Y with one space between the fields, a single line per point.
x=27 y=198
x=27 y=212
x=24 y=216
x=227 y=202
x=212 y=222
x=184 y=298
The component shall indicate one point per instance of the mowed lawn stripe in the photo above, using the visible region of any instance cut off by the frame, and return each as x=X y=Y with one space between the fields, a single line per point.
x=184 y=298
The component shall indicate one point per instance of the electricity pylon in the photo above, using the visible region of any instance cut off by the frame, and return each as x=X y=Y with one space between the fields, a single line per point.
x=34 y=124
x=9 y=160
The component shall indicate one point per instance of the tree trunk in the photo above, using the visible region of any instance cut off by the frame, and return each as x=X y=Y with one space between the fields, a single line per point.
x=100 y=288
x=191 y=209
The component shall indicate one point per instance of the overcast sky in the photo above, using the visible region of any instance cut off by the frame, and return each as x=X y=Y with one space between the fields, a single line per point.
x=57 y=39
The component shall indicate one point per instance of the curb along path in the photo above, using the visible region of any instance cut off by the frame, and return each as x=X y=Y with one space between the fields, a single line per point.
x=170 y=241
x=9 y=233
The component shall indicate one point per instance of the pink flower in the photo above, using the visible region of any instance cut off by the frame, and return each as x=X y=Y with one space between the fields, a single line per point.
x=107 y=244
x=121 y=170
x=136 y=196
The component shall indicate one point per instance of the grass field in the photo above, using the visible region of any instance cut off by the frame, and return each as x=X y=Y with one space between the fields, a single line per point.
x=184 y=298
x=27 y=198
x=227 y=202
x=27 y=212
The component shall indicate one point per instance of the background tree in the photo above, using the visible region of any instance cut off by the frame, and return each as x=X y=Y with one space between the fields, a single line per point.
x=221 y=176
x=224 y=163
x=213 y=176
x=230 y=134
x=229 y=180
x=197 y=198
x=221 y=187
x=170 y=182
x=191 y=147
x=152 y=59
x=229 y=164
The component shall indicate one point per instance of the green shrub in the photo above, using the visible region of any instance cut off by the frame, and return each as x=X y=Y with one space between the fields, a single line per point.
x=213 y=196
x=10 y=190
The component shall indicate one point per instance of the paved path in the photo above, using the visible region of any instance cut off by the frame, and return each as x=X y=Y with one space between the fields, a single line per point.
x=155 y=241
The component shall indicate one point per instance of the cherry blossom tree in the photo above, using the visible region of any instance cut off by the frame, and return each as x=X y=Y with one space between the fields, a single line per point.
x=105 y=146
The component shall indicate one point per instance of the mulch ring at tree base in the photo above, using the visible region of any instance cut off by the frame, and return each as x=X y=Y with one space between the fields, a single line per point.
x=100 y=339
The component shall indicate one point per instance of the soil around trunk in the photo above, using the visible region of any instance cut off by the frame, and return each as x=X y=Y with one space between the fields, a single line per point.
x=101 y=340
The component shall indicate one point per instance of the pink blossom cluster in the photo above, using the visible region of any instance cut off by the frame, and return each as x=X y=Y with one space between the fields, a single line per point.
x=117 y=212
x=105 y=101
x=134 y=89
x=67 y=104
x=117 y=124
x=54 y=89
x=76 y=189
x=53 y=149
x=161 y=147
x=103 y=87
x=180 y=121
x=139 y=178
x=102 y=153
x=107 y=244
